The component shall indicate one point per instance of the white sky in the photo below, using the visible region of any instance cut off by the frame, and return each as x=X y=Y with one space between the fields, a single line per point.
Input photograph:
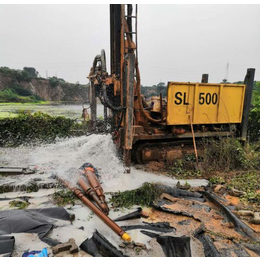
x=175 y=42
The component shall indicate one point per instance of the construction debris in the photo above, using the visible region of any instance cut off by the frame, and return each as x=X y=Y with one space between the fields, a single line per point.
x=70 y=245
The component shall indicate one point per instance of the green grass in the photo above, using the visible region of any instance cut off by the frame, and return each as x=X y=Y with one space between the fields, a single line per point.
x=27 y=103
x=7 y=114
x=19 y=204
x=63 y=197
x=142 y=196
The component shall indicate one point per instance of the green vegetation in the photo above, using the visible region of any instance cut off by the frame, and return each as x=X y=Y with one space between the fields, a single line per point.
x=54 y=81
x=37 y=127
x=229 y=154
x=32 y=187
x=19 y=204
x=18 y=94
x=254 y=116
x=63 y=197
x=142 y=196
x=217 y=180
x=249 y=183
x=155 y=90
x=185 y=167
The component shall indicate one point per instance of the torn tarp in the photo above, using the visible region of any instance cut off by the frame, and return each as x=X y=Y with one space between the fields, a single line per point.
x=39 y=221
x=172 y=246
x=99 y=246
x=132 y=215
x=163 y=227
x=178 y=193
x=6 y=245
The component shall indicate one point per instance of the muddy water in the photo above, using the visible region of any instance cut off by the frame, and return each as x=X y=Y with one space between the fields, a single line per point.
x=64 y=158
x=67 y=155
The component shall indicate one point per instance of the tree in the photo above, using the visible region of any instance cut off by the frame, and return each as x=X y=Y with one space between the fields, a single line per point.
x=31 y=71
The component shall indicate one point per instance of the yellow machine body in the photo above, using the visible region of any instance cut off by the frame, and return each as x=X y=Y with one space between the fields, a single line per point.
x=204 y=103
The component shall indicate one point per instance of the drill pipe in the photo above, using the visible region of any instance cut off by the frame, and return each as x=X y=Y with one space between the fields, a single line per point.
x=94 y=183
x=92 y=194
x=118 y=230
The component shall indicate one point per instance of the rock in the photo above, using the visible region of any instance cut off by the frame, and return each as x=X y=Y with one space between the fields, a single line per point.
x=122 y=245
x=217 y=217
x=228 y=225
x=141 y=245
x=256 y=219
x=236 y=193
x=218 y=188
x=186 y=186
x=244 y=213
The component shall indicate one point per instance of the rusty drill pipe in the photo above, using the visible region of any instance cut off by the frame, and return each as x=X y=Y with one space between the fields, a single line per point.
x=94 y=183
x=92 y=194
x=118 y=230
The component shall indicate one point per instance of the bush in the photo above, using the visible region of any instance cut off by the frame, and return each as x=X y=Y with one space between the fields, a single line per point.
x=21 y=91
x=254 y=115
x=229 y=154
x=8 y=95
x=28 y=128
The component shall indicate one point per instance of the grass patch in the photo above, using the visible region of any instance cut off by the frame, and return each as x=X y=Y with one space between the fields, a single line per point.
x=185 y=167
x=142 y=196
x=32 y=187
x=229 y=154
x=19 y=204
x=63 y=197
x=249 y=183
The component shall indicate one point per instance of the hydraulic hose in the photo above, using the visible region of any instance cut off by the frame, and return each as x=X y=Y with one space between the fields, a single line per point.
x=138 y=85
x=105 y=100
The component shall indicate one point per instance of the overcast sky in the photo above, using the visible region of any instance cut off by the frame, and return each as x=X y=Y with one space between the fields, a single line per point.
x=175 y=42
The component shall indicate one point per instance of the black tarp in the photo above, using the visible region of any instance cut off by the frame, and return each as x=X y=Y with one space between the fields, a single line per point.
x=163 y=227
x=172 y=246
x=39 y=221
x=99 y=246
x=6 y=245
x=132 y=215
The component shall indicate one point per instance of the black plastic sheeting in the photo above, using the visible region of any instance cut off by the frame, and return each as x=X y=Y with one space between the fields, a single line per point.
x=132 y=215
x=239 y=225
x=38 y=221
x=209 y=248
x=163 y=227
x=6 y=245
x=172 y=246
x=159 y=205
x=179 y=193
x=99 y=246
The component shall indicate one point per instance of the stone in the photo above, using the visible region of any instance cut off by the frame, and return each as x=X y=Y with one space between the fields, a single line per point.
x=218 y=188
x=256 y=219
x=244 y=213
x=236 y=193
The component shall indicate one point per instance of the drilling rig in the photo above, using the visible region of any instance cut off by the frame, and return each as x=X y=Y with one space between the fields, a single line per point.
x=167 y=129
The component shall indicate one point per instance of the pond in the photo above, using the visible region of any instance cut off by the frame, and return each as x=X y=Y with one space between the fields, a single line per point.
x=70 y=110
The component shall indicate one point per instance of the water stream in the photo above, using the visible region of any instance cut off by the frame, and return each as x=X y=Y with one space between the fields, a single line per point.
x=64 y=157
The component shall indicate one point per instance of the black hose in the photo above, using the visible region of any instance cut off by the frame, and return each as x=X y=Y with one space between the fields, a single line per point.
x=105 y=100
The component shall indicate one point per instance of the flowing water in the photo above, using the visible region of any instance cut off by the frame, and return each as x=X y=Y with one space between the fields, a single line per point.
x=64 y=157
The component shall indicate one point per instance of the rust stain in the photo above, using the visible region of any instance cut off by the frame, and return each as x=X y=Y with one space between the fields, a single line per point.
x=232 y=199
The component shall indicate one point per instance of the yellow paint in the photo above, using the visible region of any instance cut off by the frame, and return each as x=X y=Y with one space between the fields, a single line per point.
x=220 y=103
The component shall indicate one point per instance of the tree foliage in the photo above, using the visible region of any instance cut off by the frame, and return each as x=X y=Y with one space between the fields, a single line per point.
x=32 y=72
x=254 y=115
